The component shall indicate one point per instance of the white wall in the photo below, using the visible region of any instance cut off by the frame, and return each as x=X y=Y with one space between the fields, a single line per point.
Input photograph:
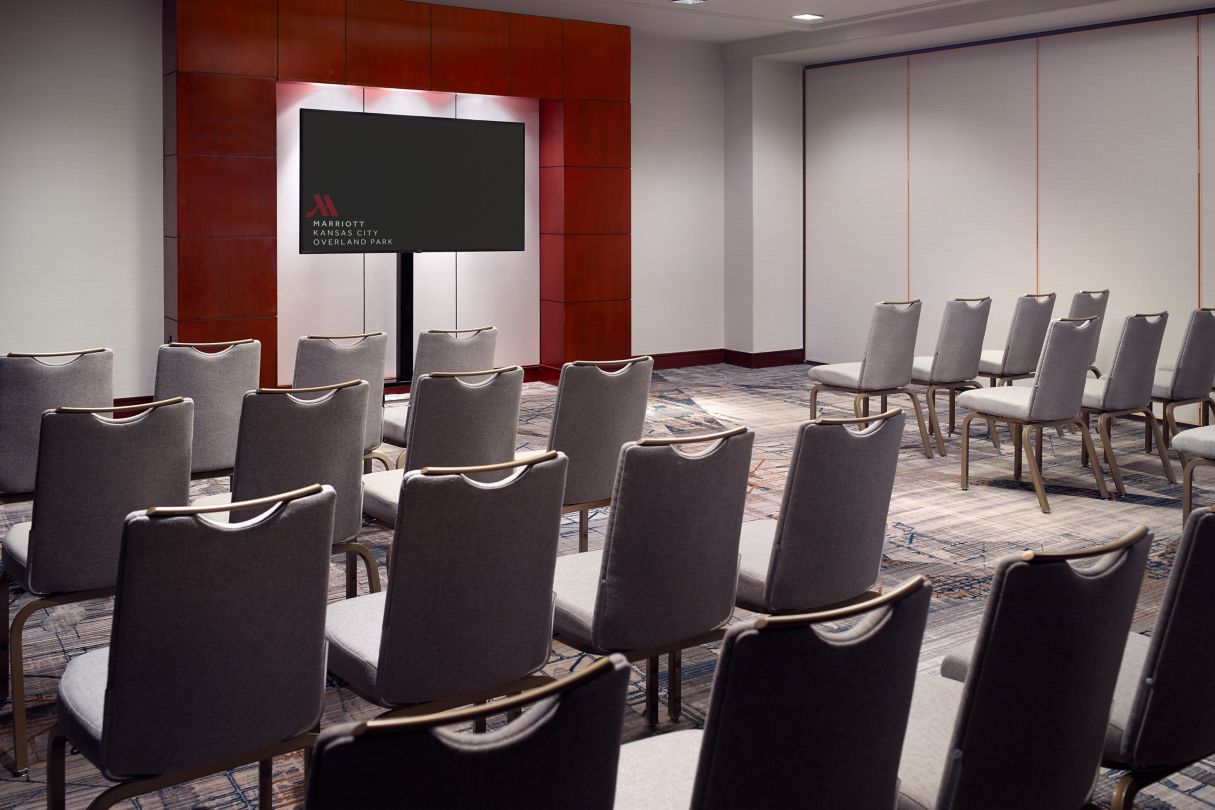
x=81 y=220
x=677 y=173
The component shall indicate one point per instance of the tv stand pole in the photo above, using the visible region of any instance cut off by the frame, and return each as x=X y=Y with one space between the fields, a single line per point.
x=404 y=318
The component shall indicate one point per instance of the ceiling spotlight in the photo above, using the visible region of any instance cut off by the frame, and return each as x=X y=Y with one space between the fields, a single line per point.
x=807 y=17
x=687 y=2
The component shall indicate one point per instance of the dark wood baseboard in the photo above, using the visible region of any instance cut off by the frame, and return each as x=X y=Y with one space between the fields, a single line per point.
x=783 y=357
x=705 y=357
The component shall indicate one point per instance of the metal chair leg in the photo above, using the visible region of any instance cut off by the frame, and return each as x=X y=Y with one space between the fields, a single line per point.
x=953 y=409
x=1034 y=473
x=1098 y=476
x=584 y=529
x=1187 y=486
x=1018 y=440
x=56 y=771
x=965 y=479
x=992 y=433
x=354 y=550
x=919 y=416
x=17 y=670
x=1103 y=428
x=265 y=784
x=1153 y=428
x=675 y=685
x=651 y=691
x=814 y=400
x=934 y=422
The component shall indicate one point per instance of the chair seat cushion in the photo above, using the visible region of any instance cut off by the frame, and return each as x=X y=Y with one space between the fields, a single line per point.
x=1199 y=441
x=381 y=492
x=921 y=369
x=82 y=701
x=1094 y=393
x=934 y=705
x=394 y=424
x=1006 y=400
x=214 y=500
x=755 y=552
x=16 y=553
x=575 y=587
x=658 y=773
x=991 y=361
x=353 y=628
x=840 y=375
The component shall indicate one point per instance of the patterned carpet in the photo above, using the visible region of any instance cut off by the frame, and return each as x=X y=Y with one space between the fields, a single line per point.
x=950 y=536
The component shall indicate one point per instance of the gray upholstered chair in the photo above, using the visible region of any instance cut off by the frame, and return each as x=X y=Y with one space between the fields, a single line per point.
x=955 y=364
x=457 y=419
x=1091 y=304
x=825 y=548
x=667 y=574
x=1128 y=388
x=320 y=360
x=886 y=368
x=216 y=376
x=92 y=472
x=1019 y=357
x=1197 y=448
x=441 y=350
x=803 y=713
x=468 y=611
x=287 y=441
x=597 y=412
x=30 y=385
x=200 y=679
x=561 y=753
x=1191 y=379
x=1053 y=400
x=1162 y=718
x=1027 y=727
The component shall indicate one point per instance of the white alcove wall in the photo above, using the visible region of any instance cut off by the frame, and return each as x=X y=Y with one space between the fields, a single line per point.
x=345 y=293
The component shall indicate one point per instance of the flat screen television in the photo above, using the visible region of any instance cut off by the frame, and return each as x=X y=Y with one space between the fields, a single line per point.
x=373 y=183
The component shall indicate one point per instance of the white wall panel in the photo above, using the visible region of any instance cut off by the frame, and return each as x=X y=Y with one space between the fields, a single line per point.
x=1206 y=106
x=972 y=154
x=856 y=201
x=1118 y=186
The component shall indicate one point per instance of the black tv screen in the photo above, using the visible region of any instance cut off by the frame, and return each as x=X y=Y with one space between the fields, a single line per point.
x=372 y=183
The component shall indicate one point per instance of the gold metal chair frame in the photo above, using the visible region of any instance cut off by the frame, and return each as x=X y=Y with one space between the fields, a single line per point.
x=344 y=337
x=93 y=350
x=1104 y=420
x=860 y=405
x=1128 y=787
x=473 y=330
x=215 y=345
x=1187 y=484
x=1206 y=405
x=930 y=397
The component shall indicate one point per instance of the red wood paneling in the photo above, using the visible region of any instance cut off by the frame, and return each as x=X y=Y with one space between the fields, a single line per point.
x=227 y=36
x=226 y=196
x=225 y=115
x=552 y=200
x=595 y=60
x=577 y=199
x=312 y=41
x=585 y=268
x=169 y=112
x=263 y=329
x=170 y=195
x=226 y=278
x=596 y=133
x=535 y=56
x=470 y=50
x=594 y=330
x=552 y=133
x=388 y=43
x=170 y=277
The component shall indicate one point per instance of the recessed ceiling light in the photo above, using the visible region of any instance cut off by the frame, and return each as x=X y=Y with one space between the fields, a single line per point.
x=687 y=2
x=807 y=17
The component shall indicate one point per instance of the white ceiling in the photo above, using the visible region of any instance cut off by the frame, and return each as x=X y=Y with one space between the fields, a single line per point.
x=851 y=28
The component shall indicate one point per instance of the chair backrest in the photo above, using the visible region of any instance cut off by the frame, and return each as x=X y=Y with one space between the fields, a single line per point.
x=1031 y=318
x=1129 y=383
x=218 y=644
x=452 y=350
x=890 y=349
x=1037 y=695
x=1195 y=372
x=217 y=381
x=1172 y=719
x=322 y=360
x=564 y=750
x=670 y=558
x=832 y=524
x=287 y=442
x=461 y=419
x=92 y=472
x=30 y=386
x=1090 y=304
x=1058 y=385
x=597 y=412
x=805 y=714
x=470 y=585
x=961 y=340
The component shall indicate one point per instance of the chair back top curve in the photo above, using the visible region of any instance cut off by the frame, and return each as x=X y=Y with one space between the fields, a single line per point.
x=1026 y=334
x=288 y=442
x=1172 y=722
x=565 y=749
x=30 y=386
x=890 y=349
x=832 y=523
x=597 y=413
x=471 y=575
x=217 y=382
x=1037 y=695
x=450 y=350
x=1090 y=304
x=460 y=421
x=92 y=472
x=1195 y=371
x=1058 y=385
x=961 y=340
x=1129 y=383
x=808 y=697
x=321 y=361
x=180 y=646
x=670 y=556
